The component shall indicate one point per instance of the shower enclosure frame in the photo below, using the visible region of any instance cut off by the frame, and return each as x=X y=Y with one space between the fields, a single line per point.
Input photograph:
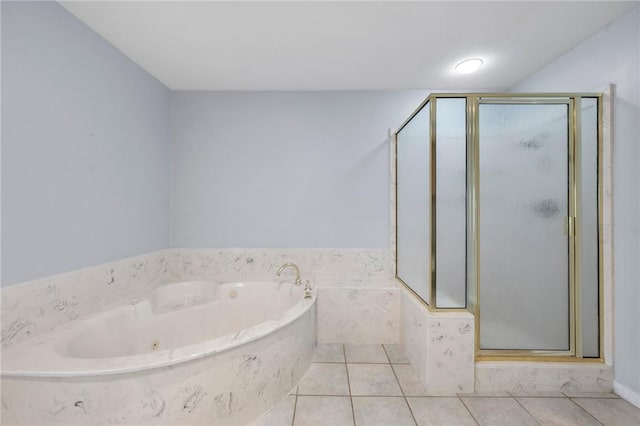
x=472 y=255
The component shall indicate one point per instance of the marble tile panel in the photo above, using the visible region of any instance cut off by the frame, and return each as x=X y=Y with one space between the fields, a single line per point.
x=382 y=411
x=437 y=411
x=396 y=354
x=609 y=411
x=325 y=379
x=329 y=352
x=414 y=333
x=543 y=377
x=450 y=352
x=373 y=379
x=365 y=353
x=607 y=225
x=280 y=415
x=341 y=266
x=358 y=315
x=498 y=412
x=557 y=411
x=328 y=281
x=440 y=346
x=392 y=201
x=409 y=381
x=323 y=410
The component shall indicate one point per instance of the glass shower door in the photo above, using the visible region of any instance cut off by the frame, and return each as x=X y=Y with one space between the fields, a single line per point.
x=524 y=243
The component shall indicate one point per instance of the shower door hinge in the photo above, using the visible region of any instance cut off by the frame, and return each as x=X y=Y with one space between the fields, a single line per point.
x=570 y=226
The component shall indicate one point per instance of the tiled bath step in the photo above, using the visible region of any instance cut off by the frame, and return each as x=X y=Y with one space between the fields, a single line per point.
x=374 y=385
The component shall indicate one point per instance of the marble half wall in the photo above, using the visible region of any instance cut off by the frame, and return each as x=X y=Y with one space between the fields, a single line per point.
x=337 y=267
x=359 y=314
x=439 y=345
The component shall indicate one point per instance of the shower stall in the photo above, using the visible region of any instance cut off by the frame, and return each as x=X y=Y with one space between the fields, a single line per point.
x=498 y=206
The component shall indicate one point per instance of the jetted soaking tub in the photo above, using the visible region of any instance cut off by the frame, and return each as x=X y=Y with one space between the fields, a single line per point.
x=193 y=353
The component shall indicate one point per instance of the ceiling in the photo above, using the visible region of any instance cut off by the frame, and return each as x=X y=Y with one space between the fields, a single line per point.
x=240 y=45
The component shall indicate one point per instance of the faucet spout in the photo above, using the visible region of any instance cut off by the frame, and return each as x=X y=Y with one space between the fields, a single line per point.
x=292 y=265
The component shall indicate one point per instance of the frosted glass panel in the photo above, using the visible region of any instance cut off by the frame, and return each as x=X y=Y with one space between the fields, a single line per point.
x=451 y=186
x=524 y=263
x=413 y=236
x=588 y=225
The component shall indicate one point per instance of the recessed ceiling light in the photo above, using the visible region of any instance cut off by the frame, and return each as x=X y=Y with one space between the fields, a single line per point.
x=469 y=65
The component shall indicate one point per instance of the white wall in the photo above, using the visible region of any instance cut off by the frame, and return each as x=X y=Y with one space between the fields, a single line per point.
x=283 y=169
x=613 y=56
x=85 y=147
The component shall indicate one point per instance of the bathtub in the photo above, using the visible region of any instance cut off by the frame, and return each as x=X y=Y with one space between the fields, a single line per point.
x=191 y=353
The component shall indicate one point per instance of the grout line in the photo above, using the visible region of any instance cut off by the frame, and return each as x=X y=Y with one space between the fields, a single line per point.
x=468 y=411
x=525 y=409
x=346 y=367
x=368 y=363
x=295 y=405
x=358 y=396
x=406 y=401
x=535 y=396
x=583 y=409
x=433 y=396
x=593 y=396
x=388 y=357
x=326 y=394
x=470 y=395
x=355 y=396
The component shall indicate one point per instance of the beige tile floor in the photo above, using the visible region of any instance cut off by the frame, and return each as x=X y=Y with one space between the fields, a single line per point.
x=374 y=385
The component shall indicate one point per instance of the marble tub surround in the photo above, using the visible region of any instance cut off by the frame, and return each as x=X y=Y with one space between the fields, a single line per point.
x=440 y=346
x=576 y=377
x=358 y=315
x=140 y=337
x=231 y=388
x=329 y=281
x=36 y=307
x=345 y=266
x=187 y=379
x=358 y=300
